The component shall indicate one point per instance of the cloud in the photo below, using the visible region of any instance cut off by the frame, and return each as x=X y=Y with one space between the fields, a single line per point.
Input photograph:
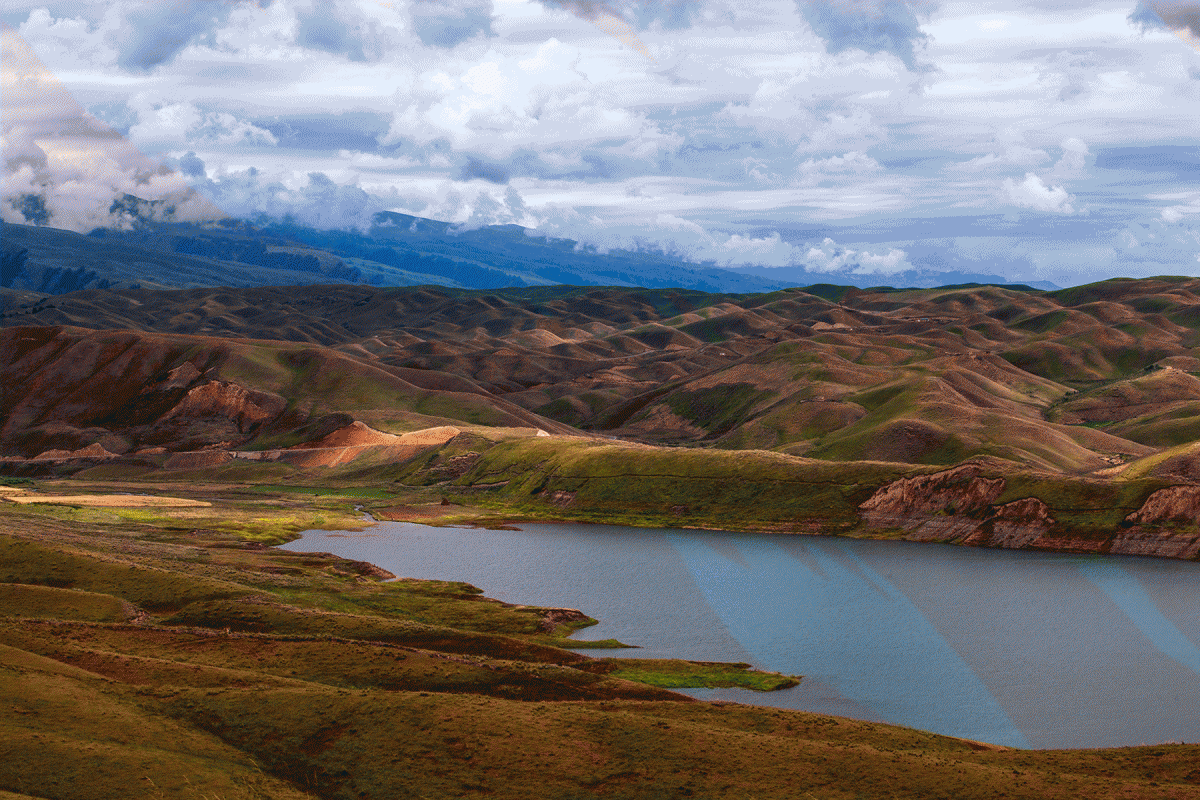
x=322 y=30
x=621 y=19
x=1185 y=204
x=500 y=104
x=71 y=42
x=319 y=201
x=161 y=126
x=686 y=239
x=346 y=29
x=488 y=210
x=769 y=249
x=1034 y=193
x=440 y=23
x=1179 y=16
x=854 y=163
x=476 y=169
x=830 y=257
x=641 y=14
x=62 y=167
x=1012 y=151
x=1158 y=247
x=873 y=26
x=154 y=33
x=191 y=166
x=1073 y=162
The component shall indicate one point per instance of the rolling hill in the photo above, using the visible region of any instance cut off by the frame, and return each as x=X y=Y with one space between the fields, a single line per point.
x=1076 y=380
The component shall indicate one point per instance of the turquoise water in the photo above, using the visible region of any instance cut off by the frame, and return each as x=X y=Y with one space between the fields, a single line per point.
x=1015 y=648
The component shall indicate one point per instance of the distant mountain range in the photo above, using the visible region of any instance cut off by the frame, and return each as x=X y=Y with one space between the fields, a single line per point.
x=398 y=250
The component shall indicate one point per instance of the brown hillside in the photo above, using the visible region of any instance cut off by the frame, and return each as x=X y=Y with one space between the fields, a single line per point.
x=1078 y=380
x=70 y=388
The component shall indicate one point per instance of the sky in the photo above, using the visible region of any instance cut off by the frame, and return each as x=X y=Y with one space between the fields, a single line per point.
x=1045 y=140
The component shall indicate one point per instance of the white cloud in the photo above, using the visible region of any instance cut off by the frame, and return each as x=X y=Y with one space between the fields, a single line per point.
x=1185 y=204
x=852 y=164
x=830 y=257
x=766 y=250
x=69 y=42
x=1158 y=247
x=161 y=126
x=502 y=103
x=1034 y=193
x=1073 y=162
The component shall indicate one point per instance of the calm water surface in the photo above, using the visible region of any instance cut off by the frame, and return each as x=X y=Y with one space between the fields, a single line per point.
x=1016 y=648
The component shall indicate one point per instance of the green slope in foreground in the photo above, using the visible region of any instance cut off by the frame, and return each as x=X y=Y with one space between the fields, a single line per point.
x=171 y=653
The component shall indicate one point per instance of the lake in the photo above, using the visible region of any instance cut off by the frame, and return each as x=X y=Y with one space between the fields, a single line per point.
x=1014 y=648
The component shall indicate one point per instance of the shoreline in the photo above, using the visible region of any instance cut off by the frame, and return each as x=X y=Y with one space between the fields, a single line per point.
x=506 y=521
x=580 y=545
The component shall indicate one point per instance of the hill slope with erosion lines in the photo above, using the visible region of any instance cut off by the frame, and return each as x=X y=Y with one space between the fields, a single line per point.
x=70 y=388
x=1077 y=380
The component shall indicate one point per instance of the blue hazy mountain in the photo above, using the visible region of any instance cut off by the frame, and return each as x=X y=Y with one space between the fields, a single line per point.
x=398 y=250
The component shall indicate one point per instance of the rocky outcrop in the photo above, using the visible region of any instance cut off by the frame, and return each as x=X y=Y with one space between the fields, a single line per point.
x=93 y=451
x=961 y=490
x=957 y=506
x=1165 y=525
x=229 y=400
x=1016 y=525
x=1164 y=543
x=554 y=618
x=1175 y=504
x=945 y=506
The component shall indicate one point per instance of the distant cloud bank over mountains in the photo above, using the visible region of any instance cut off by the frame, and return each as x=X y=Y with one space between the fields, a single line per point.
x=865 y=142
